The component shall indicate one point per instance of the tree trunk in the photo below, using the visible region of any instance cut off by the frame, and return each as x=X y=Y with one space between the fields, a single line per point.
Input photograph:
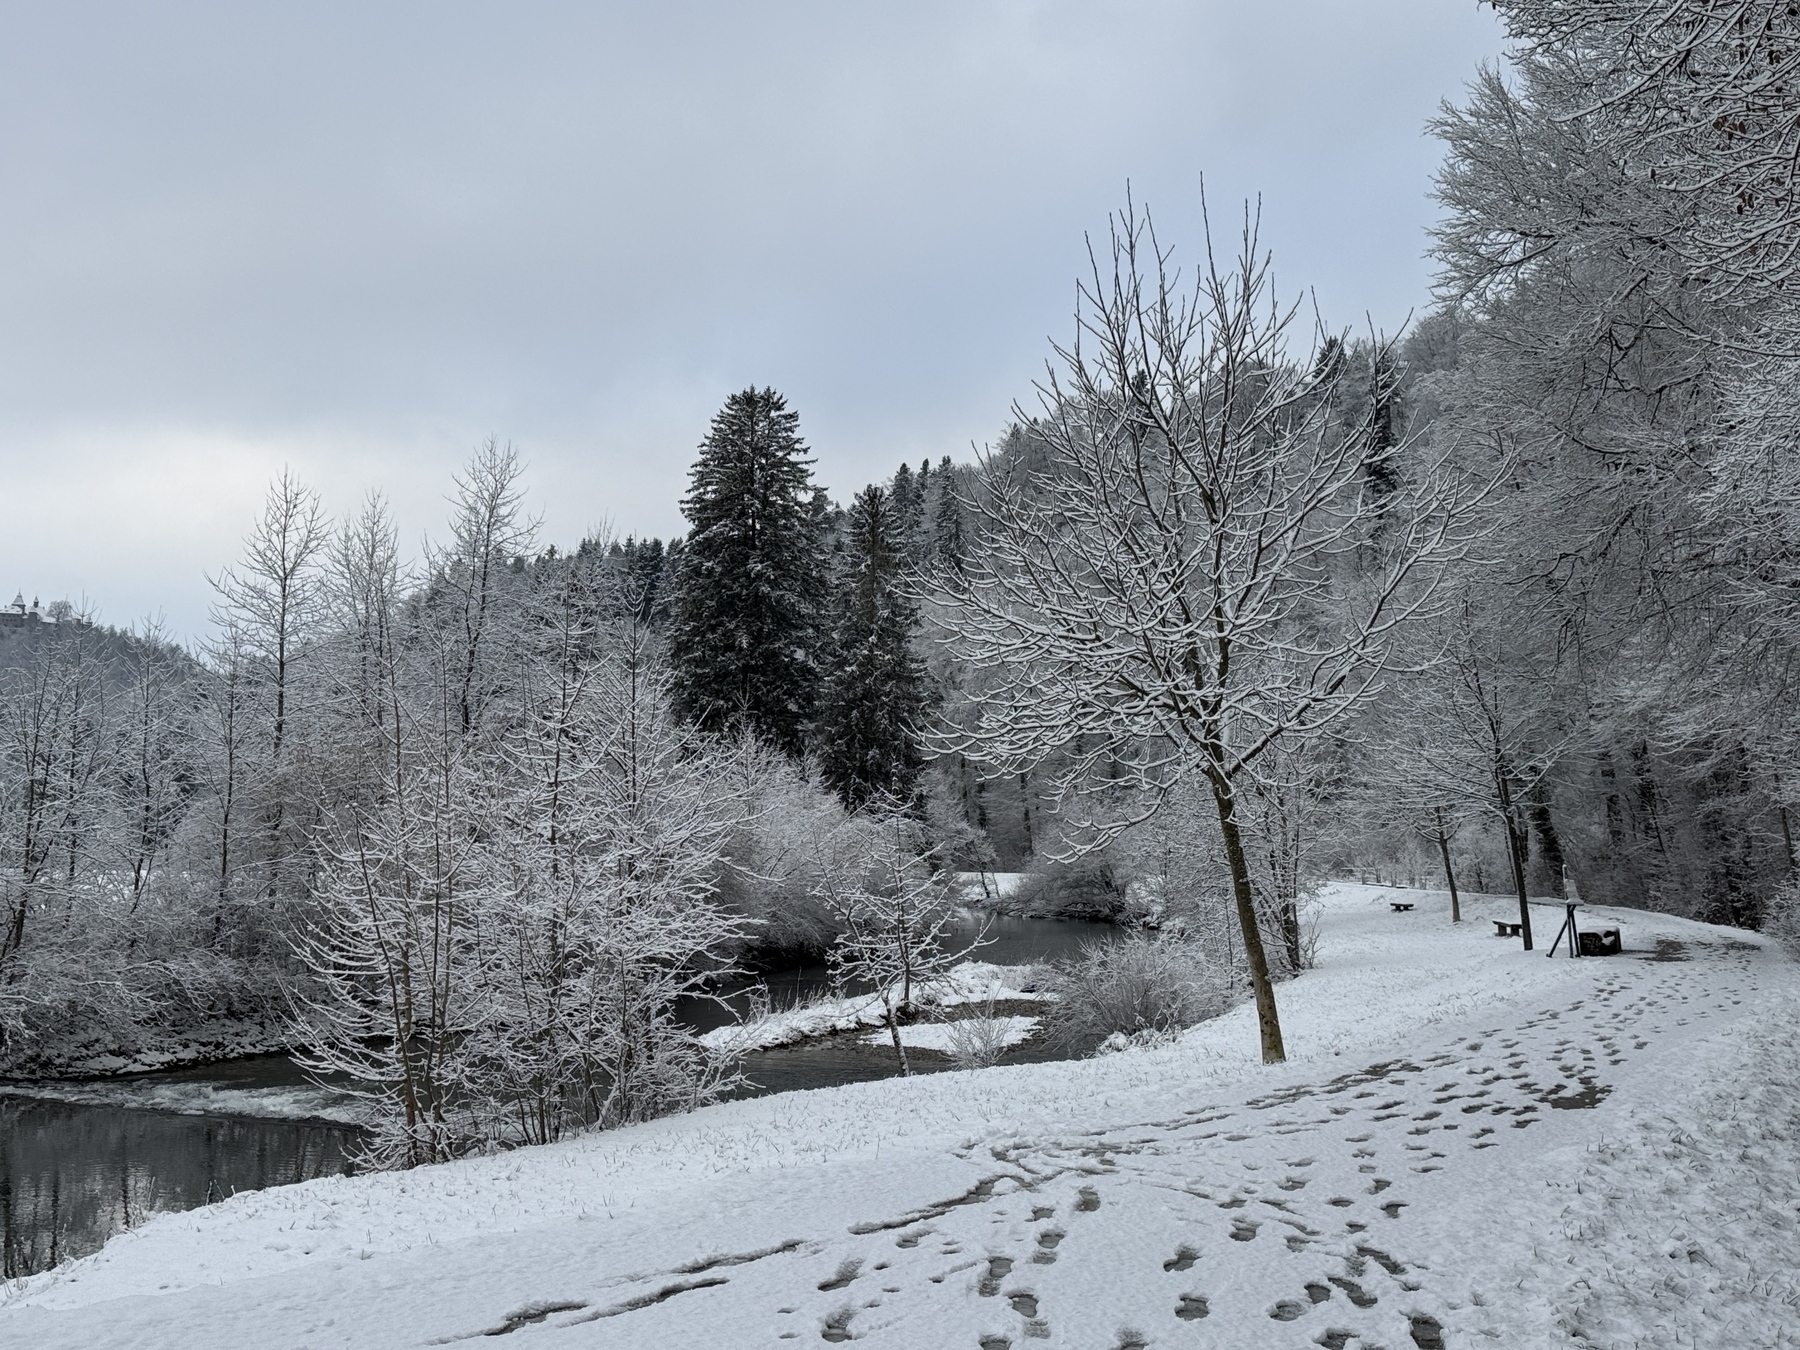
x=1267 y=1022
x=1787 y=832
x=1515 y=851
x=1515 y=855
x=1443 y=840
x=899 y=1047
x=1289 y=912
x=1025 y=812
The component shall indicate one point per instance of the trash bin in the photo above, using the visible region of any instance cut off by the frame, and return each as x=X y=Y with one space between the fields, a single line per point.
x=1603 y=943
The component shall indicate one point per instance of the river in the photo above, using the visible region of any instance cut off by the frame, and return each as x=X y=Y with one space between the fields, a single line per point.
x=80 y=1162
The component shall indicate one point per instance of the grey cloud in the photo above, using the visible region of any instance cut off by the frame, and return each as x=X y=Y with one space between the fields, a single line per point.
x=579 y=226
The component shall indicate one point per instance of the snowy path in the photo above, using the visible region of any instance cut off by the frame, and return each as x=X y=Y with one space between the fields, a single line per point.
x=1420 y=1198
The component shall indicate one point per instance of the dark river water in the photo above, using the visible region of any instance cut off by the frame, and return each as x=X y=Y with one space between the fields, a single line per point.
x=74 y=1172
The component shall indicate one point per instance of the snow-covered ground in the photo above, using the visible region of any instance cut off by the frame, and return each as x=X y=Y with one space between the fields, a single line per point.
x=1470 y=1146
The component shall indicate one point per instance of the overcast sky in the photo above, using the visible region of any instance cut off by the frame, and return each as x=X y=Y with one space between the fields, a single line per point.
x=358 y=238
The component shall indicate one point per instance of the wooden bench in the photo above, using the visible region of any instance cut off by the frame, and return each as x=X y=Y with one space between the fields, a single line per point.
x=1504 y=929
x=1401 y=906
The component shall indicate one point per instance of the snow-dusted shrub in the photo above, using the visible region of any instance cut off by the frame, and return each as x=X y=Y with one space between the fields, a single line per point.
x=1137 y=1040
x=1782 y=919
x=1088 y=888
x=773 y=855
x=1141 y=985
x=978 y=1042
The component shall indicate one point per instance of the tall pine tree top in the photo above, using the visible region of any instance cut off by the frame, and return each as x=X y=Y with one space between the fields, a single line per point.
x=873 y=702
x=751 y=580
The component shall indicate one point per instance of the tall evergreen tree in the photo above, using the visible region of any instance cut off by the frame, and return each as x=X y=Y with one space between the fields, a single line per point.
x=749 y=587
x=1382 y=474
x=906 y=498
x=949 y=542
x=872 y=704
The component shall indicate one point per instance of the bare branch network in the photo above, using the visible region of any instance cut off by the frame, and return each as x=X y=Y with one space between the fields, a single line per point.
x=1158 y=583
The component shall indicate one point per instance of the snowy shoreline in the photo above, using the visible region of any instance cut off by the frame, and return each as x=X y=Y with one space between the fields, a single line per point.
x=971 y=982
x=134 y=1084
x=294 y=1105
x=217 y=1043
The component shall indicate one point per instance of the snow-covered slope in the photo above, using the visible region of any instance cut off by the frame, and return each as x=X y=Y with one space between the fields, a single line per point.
x=1469 y=1146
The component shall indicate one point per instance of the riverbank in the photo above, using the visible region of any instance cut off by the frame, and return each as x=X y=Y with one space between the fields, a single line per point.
x=212 y=1042
x=1469 y=1145
x=83 y=1159
x=256 y=1087
x=967 y=984
x=223 y=1040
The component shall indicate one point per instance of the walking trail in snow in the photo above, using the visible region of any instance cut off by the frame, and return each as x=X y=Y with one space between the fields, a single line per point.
x=1474 y=1146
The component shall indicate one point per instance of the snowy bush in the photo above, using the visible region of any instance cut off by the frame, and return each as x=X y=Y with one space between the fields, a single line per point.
x=1137 y=1040
x=776 y=853
x=1782 y=921
x=978 y=1042
x=1130 y=988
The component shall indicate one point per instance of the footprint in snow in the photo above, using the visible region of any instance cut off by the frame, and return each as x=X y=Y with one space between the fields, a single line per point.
x=1354 y=1291
x=999 y=1267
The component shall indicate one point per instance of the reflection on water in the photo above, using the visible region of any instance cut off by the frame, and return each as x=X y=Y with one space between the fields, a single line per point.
x=73 y=1175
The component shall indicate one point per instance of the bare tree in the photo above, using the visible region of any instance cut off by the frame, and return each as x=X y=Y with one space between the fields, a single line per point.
x=267 y=614
x=219 y=728
x=392 y=995
x=56 y=749
x=1470 y=733
x=488 y=533
x=610 y=826
x=894 y=914
x=272 y=596
x=1171 y=585
x=153 y=761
